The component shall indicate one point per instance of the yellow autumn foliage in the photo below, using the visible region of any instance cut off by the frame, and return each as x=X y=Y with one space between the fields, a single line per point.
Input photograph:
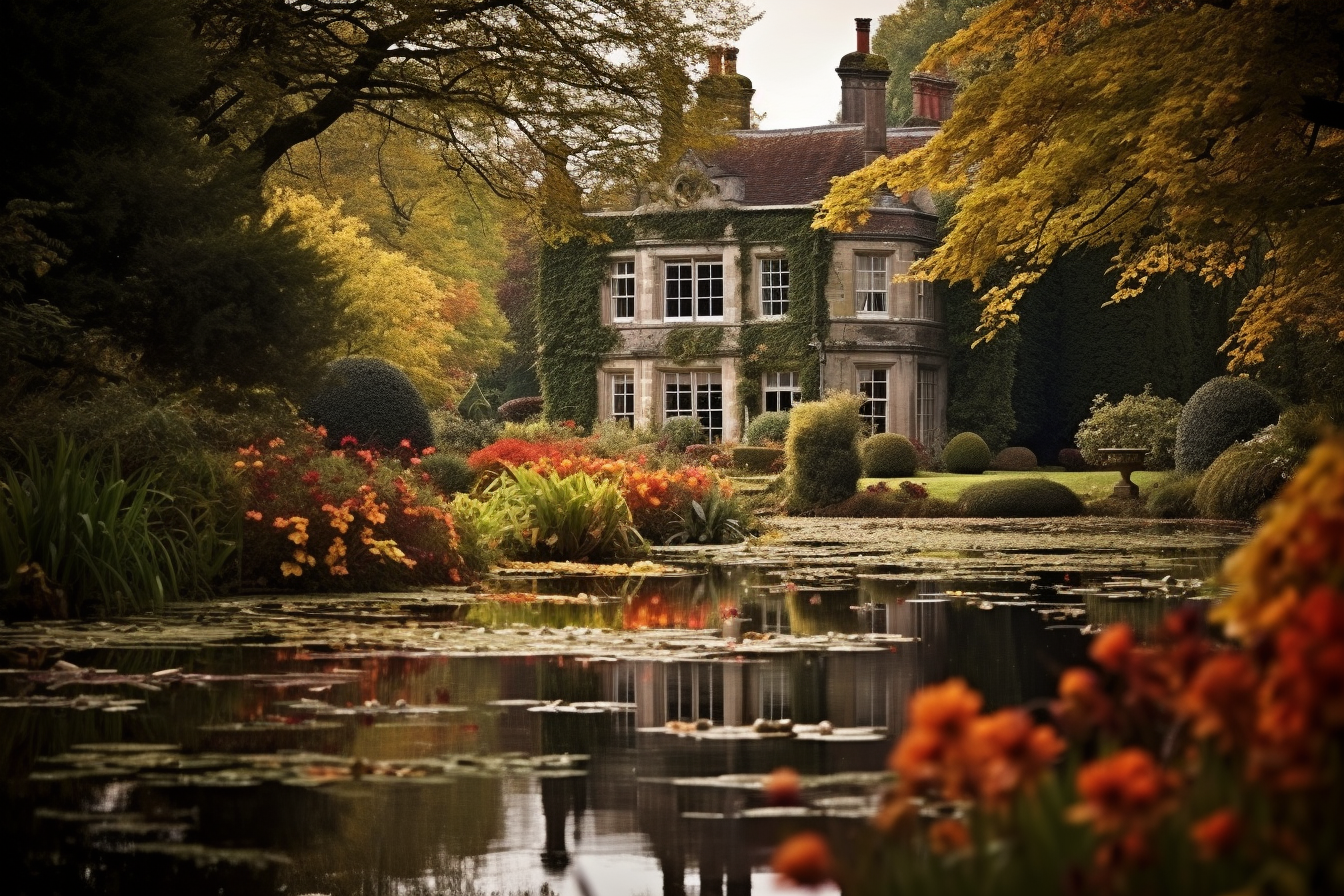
x=1195 y=136
x=398 y=311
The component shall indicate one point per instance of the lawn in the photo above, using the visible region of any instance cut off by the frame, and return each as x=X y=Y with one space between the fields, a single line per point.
x=1089 y=486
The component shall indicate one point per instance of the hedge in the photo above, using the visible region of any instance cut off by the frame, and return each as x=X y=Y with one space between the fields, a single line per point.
x=1016 y=459
x=822 y=451
x=1221 y=413
x=756 y=459
x=887 y=455
x=520 y=410
x=1020 y=498
x=371 y=400
x=966 y=453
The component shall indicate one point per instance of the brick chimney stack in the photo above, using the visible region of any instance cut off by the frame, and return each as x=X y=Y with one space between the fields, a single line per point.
x=726 y=91
x=730 y=60
x=716 y=60
x=863 y=92
x=933 y=93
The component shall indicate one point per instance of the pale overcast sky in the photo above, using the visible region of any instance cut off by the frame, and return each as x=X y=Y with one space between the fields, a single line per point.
x=790 y=56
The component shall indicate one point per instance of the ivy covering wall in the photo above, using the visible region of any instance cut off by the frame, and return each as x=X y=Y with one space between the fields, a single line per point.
x=572 y=335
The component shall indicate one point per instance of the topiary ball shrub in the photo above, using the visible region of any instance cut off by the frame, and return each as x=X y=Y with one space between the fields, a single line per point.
x=680 y=433
x=1072 y=460
x=1221 y=413
x=1174 y=498
x=371 y=400
x=887 y=455
x=520 y=410
x=1238 y=483
x=756 y=460
x=967 y=453
x=1015 y=459
x=770 y=427
x=822 y=451
x=1019 y=498
x=448 y=473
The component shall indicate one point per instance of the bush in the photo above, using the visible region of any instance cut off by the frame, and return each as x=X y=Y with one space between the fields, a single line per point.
x=757 y=460
x=455 y=434
x=887 y=455
x=822 y=451
x=1221 y=413
x=721 y=519
x=542 y=431
x=880 y=501
x=1020 y=498
x=76 y=537
x=474 y=405
x=370 y=400
x=448 y=473
x=923 y=456
x=1072 y=460
x=612 y=439
x=1238 y=483
x=966 y=453
x=1174 y=498
x=680 y=433
x=1135 y=421
x=772 y=427
x=1014 y=459
x=549 y=516
x=520 y=410
x=507 y=452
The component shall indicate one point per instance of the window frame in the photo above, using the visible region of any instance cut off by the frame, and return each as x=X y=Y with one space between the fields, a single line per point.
x=765 y=284
x=863 y=296
x=695 y=297
x=701 y=384
x=617 y=379
x=793 y=390
x=616 y=274
x=872 y=420
x=927 y=381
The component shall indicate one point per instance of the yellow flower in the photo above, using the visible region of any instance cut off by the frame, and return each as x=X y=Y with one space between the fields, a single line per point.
x=291 y=569
x=238 y=465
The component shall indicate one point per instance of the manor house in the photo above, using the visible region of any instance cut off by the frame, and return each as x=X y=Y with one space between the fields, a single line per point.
x=861 y=332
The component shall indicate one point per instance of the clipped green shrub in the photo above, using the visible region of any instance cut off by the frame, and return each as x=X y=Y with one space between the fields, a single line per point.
x=1221 y=413
x=1238 y=483
x=1135 y=421
x=680 y=433
x=448 y=473
x=371 y=400
x=458 y=435
x=520 y=409
x=821 y=452
x=1019 y=497
x=1015 y=459
x=887 y=455
x=757 y=460
x=966 y=453
x=474 y=405
x=1174 y=497
x=770 y=427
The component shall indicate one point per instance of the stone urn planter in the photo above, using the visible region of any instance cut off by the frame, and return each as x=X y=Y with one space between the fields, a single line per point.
x=1127 y=461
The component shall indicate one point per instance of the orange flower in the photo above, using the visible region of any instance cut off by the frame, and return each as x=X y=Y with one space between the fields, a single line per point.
x=1124 y=789
x=1112 y=648
x=1008 y=751
x=946 y=709
x=804 y=859
x=253 y=515
x=1221 y=698
x=948 y=835
x=782 y=787
x=1082 y=702
x=1217 y=835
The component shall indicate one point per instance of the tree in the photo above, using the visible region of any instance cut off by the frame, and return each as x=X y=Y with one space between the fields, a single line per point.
x=905 y=36
x=1196 y=136
x=496 y=83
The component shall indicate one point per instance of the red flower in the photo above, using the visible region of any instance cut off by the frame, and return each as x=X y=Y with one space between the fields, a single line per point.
x=804 y=859
x=1112 y=648
x=1125 y=789
x=782 y=787
x=349 y=440
x=1217 y=835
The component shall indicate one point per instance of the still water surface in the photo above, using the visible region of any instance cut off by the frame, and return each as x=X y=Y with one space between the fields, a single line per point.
x=233 y=775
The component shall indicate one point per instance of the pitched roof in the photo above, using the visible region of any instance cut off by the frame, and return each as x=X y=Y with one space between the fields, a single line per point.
x=795 y=166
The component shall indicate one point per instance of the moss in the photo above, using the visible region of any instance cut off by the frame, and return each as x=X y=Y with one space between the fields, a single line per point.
x=869 y=62
x=1026 y=497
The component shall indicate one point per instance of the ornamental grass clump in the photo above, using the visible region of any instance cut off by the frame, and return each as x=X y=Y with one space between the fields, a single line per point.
x=547 y=516
x=1239 y=482
x=1185 y=765
x=888 y=455
x=822 y=454
x=76 y=537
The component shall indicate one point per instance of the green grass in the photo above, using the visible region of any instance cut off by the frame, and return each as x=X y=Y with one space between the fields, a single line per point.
x=1089 y=486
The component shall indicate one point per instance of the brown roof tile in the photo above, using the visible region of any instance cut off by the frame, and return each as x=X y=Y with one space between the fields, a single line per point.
x=795 y=167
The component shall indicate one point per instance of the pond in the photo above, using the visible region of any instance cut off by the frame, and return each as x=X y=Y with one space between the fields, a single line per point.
x=547 y=732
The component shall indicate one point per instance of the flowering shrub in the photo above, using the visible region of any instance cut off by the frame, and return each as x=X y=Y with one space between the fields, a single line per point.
x=1200 y=767
x=349 y=518
x=514 y=452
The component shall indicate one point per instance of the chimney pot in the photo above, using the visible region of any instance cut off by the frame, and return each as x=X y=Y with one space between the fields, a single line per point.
x=716 y=60
x=861 y=28
x=730 y=60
